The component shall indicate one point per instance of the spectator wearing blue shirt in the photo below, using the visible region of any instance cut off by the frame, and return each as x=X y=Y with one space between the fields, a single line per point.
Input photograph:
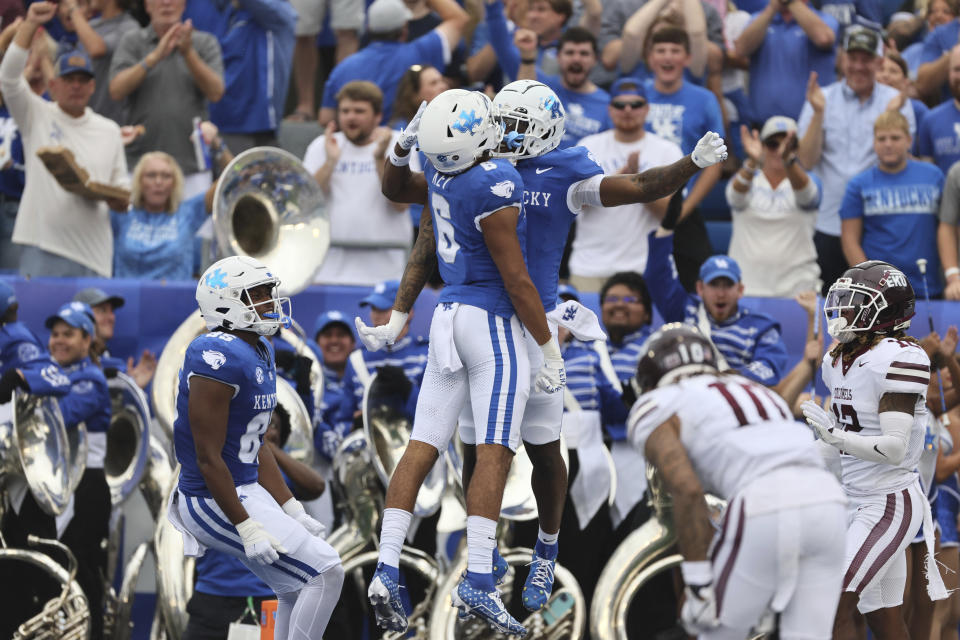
x=934 y=59
x=890 y=212
x=681 y=112
x=334 y=339
x=938 y=137
x=685 y=14
x=835 y=129
x=908 y=31
x=585 y=103
x=388 y=56
x=154 y=239
x=748 y=341
x=785 y=42
x=256 y=40
x=545 y=18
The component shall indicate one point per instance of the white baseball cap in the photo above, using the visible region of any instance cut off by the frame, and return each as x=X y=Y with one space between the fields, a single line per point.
x=387 y=15
x=777 y=125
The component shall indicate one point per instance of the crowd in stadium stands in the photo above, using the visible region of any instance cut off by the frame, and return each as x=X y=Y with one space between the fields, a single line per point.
x=842 y=116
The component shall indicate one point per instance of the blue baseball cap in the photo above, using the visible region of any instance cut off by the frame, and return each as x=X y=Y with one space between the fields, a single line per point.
x=628 y=86
x=328 y=318
x=76 y=314
x=75 y=61
x=7 y=297
x=568 y=292
x=719 y=266
x=382 y=296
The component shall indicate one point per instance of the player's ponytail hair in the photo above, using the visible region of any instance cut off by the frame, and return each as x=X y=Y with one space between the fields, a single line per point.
x=865 y=342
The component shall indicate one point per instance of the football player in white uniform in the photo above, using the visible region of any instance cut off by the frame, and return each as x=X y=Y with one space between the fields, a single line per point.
x=877 y=376
x=720 y=432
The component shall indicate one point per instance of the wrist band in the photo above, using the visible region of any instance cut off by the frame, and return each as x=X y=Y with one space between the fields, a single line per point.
x=398 y=161
x=531 y=61
x=952 y=271
x=739 y=179
x=143 y=63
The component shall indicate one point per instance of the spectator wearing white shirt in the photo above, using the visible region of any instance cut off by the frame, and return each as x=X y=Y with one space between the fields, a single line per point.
x=63 y=234
x=613 y=239
x=369 y=234
x=774 y=204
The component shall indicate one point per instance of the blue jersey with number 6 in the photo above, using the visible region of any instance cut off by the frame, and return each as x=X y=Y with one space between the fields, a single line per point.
x=252 y=374
x=458 y=202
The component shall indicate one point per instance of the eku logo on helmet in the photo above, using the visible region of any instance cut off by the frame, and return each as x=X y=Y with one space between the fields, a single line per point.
x=469 y=122
x=893 y=278
x=552 y=105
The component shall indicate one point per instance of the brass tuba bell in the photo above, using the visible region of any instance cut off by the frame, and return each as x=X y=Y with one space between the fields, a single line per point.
x=269 y=207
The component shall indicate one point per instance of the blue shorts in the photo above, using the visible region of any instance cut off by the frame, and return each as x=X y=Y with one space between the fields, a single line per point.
x=948 y=504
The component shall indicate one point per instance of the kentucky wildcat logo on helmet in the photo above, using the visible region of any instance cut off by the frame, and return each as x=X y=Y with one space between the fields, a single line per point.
x=870 y=297
x=223 y=295
x=532 y=118
x=456 y=129
x=675 y=350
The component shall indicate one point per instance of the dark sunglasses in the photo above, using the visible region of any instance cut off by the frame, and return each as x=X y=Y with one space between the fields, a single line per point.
x=620 y=105
x=624 y=299
x=773 y=143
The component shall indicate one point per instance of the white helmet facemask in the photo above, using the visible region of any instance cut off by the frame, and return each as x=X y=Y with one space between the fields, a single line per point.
x=225 y=299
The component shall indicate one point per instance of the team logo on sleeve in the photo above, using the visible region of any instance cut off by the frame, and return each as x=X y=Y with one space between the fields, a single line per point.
x=214 y=358
x=28 y=351
x=259 y=374
x=83 y=386
x=504 y=189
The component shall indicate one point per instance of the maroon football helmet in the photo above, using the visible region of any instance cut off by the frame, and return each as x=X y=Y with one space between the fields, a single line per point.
x=676 y=349
x=871 y=297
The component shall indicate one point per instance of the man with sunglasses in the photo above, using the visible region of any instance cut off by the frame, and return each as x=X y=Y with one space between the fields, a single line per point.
x=626 y=149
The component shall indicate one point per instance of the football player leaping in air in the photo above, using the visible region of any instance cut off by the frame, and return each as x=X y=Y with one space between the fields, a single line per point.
x=877 y=377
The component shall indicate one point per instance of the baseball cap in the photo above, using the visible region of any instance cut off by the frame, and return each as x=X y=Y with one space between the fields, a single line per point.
x=719 y=266
x=75 y=61
x=7 y=297
x=76 y=314
x=94 y=296
x=568 y=292
x=387 y=15
x=627 y=86
x=860 y=38
x=328 y=318
x=777 y=125
x=382 y=296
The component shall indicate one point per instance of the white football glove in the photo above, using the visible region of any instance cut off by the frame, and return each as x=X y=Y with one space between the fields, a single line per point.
x=408 y=136
x=709 y=150
x=552 y=377
x=822 y=423
x=699 y=612
x=258 y=544
x=295 y=510
x=376 y=338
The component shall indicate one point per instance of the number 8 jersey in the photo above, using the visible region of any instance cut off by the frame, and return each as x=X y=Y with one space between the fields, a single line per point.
x=251 y=371
x=890 y=366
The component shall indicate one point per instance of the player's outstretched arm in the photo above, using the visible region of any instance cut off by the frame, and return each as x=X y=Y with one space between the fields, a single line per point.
x=420 y=265
x=660 y=182
x=208 y=408
x=500 y=235
x=664 y=450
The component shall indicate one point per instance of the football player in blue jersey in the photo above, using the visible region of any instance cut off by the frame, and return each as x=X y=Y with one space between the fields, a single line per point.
x=231 y=495
x=474 y=230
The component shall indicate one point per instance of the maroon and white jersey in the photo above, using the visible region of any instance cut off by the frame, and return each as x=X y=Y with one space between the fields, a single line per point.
x=733 y=429
x=891 y=366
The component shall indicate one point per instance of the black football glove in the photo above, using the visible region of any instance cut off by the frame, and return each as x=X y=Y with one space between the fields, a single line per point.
x=301 y=373
x=672 y=216
x=8 y=382
x=285 y=360
x=110 y=372
x=631 y=391
x=393 y=381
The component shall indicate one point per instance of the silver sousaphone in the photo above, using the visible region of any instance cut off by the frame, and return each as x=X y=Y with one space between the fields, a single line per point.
x=128 y=438
x=387 y=424
x=269 y=207
x=34 y=449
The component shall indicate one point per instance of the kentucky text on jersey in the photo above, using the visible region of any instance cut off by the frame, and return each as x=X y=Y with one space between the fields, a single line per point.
x=262 y=402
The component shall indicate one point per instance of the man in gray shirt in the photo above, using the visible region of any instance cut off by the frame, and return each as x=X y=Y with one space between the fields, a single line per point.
x=168 y=71
x=112 y=23
x=947 y=232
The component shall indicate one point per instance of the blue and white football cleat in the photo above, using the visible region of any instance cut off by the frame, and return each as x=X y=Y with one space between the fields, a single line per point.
x=539 y=584
x=384 y=595
x=486 y=606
